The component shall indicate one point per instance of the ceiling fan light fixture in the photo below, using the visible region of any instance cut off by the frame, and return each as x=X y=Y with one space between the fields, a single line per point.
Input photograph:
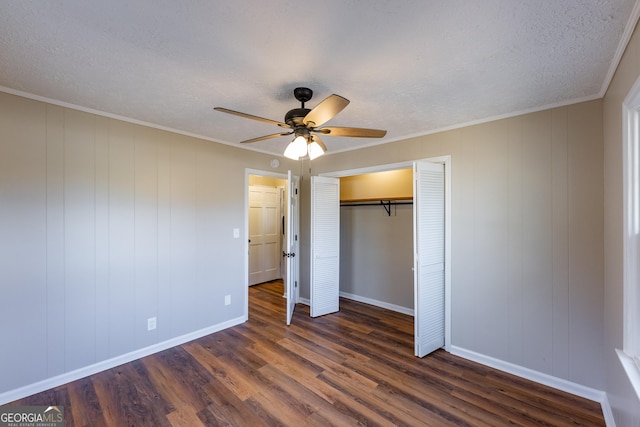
x=290 y=152
x=297 y=148
x=315 y=150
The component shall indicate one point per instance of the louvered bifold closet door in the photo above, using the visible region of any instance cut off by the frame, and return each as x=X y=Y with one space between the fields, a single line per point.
x=429 y=239
x=325 y=245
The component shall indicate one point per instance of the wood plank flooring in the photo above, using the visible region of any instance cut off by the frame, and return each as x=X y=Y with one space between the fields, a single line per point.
x=355 y=367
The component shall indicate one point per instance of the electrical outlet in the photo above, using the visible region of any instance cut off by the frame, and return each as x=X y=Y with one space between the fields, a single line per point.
x=151 y=323
x=227 y=300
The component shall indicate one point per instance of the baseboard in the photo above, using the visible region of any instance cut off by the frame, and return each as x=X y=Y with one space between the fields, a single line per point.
x=304 y=301
x=381 y=304
x=539 y=377
x=607 y=412
x=77 y=374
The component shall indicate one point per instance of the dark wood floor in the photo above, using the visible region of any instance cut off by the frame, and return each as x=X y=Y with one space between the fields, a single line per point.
x=355 y=367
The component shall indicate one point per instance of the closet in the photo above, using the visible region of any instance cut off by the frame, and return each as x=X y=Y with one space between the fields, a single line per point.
x=376 y=239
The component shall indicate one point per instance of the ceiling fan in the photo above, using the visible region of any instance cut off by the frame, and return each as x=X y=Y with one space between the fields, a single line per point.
x=305 y=124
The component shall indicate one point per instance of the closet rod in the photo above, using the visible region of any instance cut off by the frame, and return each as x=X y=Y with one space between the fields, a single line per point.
x=386 y=204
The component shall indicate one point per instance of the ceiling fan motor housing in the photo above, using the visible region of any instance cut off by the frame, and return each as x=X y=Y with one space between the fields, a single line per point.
x=294 y=117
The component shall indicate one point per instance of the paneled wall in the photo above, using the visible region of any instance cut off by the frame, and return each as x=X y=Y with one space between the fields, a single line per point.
x=104 y=224
x=527 y=235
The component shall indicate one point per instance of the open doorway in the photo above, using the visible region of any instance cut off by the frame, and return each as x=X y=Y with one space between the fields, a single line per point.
x=271 y=224
x=266 y=228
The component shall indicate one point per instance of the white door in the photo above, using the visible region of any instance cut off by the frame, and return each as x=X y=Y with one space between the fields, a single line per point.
x=325 y=245
x=264 y=234
x=291 y=254
x=429 y=256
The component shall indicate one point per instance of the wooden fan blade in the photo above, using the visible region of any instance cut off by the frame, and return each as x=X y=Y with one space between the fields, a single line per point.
x=262 y=138
x=249 y=116
x=325 y=111
x=317 y=139
x=352 y=132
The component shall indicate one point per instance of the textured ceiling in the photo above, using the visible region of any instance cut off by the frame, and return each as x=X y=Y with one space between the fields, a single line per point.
x=410 y=67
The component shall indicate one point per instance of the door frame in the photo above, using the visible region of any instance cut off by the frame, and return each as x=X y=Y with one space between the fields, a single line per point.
x=245 y=245
x=446 y=160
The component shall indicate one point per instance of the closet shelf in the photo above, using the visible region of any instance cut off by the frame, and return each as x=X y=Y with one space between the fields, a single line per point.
x=386 y=203
x=377 y=199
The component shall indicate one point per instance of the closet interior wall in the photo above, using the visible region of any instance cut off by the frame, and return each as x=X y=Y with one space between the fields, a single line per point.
x=376 y=245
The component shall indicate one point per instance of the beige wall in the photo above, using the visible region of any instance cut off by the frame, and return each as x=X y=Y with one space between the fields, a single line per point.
x=527 y=235
x=104 y=224
x=624 y=402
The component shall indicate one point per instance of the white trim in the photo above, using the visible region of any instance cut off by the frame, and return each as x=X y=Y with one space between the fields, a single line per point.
x=607 y=412
x=83 y=372
x=376 y=303
x=622 y=47
x=631 y=235
x=631 y=368
x=305 y=301
x=529 y=374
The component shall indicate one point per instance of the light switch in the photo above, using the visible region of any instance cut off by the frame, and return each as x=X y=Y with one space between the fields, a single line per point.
x=236 y=233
